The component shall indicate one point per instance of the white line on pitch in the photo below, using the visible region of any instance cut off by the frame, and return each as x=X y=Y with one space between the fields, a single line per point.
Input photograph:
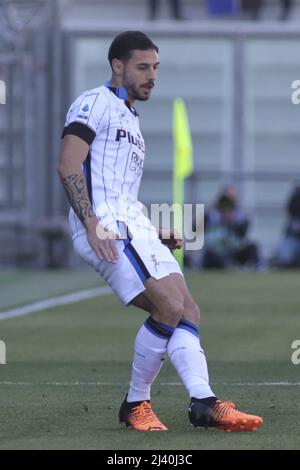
x=54 y=302
x=162 y=384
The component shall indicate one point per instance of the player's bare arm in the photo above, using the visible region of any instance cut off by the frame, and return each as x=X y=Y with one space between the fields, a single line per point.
x=77 y=193
x=73 y=154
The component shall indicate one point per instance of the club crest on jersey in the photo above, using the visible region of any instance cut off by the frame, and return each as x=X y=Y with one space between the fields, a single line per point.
x=123 y=134
x=85 y=108
x=136 y=164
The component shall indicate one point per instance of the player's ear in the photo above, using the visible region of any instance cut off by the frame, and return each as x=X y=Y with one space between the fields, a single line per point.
x=117 y=66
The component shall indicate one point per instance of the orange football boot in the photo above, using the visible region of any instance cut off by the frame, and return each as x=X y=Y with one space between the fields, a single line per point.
x=222 y=415
x=231 y=420
x=140 y=416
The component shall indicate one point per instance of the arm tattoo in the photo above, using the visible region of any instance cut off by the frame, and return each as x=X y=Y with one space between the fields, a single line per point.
x=75 y=188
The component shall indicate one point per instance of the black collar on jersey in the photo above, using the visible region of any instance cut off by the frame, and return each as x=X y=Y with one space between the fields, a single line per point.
x=121 y=93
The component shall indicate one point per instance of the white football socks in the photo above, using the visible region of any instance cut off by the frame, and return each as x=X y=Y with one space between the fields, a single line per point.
x=189 y=360
x=182 y=343
x=149 y=350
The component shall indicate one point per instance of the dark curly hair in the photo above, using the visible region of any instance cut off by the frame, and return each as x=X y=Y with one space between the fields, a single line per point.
x=126 y=42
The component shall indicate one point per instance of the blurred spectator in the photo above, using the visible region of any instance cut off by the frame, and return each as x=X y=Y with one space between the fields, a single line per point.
x=254 y=7
x=226 y=242
x=286 y=6
x=288 y=251
x=175 y=6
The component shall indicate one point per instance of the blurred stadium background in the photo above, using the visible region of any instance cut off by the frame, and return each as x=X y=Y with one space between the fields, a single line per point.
x=74 y=360
x=234 y=75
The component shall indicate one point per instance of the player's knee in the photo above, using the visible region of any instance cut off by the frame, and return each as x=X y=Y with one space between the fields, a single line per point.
x=176 y=310
x=172 y=313
x=192 y=313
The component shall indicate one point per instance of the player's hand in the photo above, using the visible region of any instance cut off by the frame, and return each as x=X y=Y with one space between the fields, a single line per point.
x=103 y=242
x=171 y=238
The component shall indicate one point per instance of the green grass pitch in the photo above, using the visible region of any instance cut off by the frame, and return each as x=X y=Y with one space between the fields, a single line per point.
x=68 y=367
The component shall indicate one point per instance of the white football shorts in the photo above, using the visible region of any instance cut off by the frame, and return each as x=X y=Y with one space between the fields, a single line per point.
x=139 y=259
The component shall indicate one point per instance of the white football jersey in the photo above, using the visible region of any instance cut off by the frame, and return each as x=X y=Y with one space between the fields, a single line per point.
x=114 y=165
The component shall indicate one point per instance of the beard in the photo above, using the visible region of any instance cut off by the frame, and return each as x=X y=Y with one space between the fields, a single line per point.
x=138 y=92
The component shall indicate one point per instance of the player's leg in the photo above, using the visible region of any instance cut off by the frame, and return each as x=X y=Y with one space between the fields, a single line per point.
x=173 y=326
x=189 y=360
x=170 y=303
x=184 y=349
x=163 y=300
x=141 y=302
x=150 y=348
